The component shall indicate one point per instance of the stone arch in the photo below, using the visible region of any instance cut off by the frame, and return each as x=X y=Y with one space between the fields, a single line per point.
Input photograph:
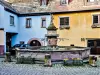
x=36 y=40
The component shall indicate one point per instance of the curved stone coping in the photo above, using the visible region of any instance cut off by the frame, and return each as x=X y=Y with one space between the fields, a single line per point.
x=73 y=49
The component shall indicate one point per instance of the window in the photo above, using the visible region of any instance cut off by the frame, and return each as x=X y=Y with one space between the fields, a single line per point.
x=64 y=21
x=95 y=19
x=28 y=22
x=44 y=2
x=63 y=2
x=90 y=0
x=11 y=20
x=43 y=22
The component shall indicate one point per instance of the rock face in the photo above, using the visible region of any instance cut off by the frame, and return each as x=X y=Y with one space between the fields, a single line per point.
x=26 y=6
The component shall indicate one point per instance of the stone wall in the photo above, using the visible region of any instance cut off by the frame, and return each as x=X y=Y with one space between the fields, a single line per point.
x=25 y=6
x=34 y=6
x=53 y=5
x=76 y=5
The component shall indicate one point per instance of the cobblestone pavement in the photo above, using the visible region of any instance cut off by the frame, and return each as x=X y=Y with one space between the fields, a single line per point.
x=38 y=69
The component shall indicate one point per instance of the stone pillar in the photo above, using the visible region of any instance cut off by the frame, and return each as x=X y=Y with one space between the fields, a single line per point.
x=52 y=34
x=7 y=57
x=48 y=60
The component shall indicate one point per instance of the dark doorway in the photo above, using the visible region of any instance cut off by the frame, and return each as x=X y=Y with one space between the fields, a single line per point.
x=95 y=46
x=9 y=42
x=35 y=43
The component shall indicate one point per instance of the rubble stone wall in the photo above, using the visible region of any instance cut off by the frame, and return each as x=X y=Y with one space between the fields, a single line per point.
x=53 y=5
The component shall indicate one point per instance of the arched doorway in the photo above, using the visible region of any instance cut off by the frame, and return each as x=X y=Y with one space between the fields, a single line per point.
x=35 y=42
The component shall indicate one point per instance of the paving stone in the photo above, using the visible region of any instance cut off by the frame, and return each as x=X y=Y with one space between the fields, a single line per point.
x=38 y=69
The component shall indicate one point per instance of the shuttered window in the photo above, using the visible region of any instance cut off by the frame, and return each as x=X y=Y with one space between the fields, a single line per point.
x=64 y=21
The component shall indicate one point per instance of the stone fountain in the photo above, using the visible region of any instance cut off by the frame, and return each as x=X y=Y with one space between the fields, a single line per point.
x=52 y=34
x=53 y=53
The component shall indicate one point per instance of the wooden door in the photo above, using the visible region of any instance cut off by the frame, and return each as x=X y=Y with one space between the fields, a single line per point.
x=95 y=46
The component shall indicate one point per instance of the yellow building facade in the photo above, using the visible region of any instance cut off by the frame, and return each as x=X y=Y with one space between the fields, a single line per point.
x=80 y=30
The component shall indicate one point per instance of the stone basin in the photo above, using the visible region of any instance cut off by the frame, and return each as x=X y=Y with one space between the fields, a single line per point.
x=57 y=54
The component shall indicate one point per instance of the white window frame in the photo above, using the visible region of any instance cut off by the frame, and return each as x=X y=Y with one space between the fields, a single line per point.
x=63 y=17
